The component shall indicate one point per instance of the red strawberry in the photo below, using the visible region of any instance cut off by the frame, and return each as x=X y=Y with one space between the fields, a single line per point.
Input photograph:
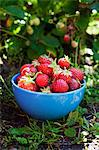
x=74 y=84
x=42 y=80
x=59 y=86
x=64 y=62
x=27 y=83
x=28 y=70
x=18 y=78
x=28 y=86
x=77 y=74
x=66 y=38
x=65 y=75
x=45 y=68
x=25 y=71
x=33 y=69
x=25 y=66
x=44 y=59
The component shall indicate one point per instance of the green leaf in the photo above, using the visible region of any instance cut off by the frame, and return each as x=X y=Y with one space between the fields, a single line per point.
x=22 y=140
x=70 y=6
x=95 y=127
x=15 y=11
x=50 y=41
x=14 y=46
x=81 y=110
x=20 y=131
x=85 y=124
x=72 y=118
x=83 y=21
x=97 y=115
x=70 y=132
x=58 y=32
x=8 y=2
x=55 y=130
x=86 y=1
x=35 y=50
x=95 y=6
x=43 y=3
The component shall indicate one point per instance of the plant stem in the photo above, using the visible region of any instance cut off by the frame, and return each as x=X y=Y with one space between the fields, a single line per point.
x=76 y=56
x=18 y=35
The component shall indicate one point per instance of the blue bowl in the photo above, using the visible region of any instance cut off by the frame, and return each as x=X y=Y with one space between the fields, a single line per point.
x=45 y=106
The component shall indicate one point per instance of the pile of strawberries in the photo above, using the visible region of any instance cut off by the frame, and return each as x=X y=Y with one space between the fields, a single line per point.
x=49 y=75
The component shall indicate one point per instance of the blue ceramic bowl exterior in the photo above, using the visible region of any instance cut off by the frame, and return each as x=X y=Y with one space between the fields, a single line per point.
x=47 y=106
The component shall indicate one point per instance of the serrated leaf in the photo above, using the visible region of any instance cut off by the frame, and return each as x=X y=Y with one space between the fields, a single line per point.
x=70 y=132
x=15 y=11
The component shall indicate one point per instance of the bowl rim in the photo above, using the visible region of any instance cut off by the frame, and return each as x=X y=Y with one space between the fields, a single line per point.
x=48 y=94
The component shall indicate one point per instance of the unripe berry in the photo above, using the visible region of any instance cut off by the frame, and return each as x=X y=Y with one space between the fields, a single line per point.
x=66 y=38
x=35 y=21
x=30 y=30
x=9 y=22
x=74 y=44
x=60 y=25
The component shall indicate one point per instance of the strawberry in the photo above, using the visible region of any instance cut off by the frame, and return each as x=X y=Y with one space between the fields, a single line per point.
x=45 y=68
x=18 y=78
x=25 y=66
x=74 y=84
x=42 y=80
x=25 y=71
x=64 y=62
x=66 y=38
x=28 y=69
x=65 y=75
x=33 y=69
x=27 y=86
x=27 y=83
x=59 y=86
x=77 y=73
x=44 y=59
x=56 y=70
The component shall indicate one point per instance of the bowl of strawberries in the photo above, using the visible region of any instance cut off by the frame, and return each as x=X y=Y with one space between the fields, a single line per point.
x=47 y=88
